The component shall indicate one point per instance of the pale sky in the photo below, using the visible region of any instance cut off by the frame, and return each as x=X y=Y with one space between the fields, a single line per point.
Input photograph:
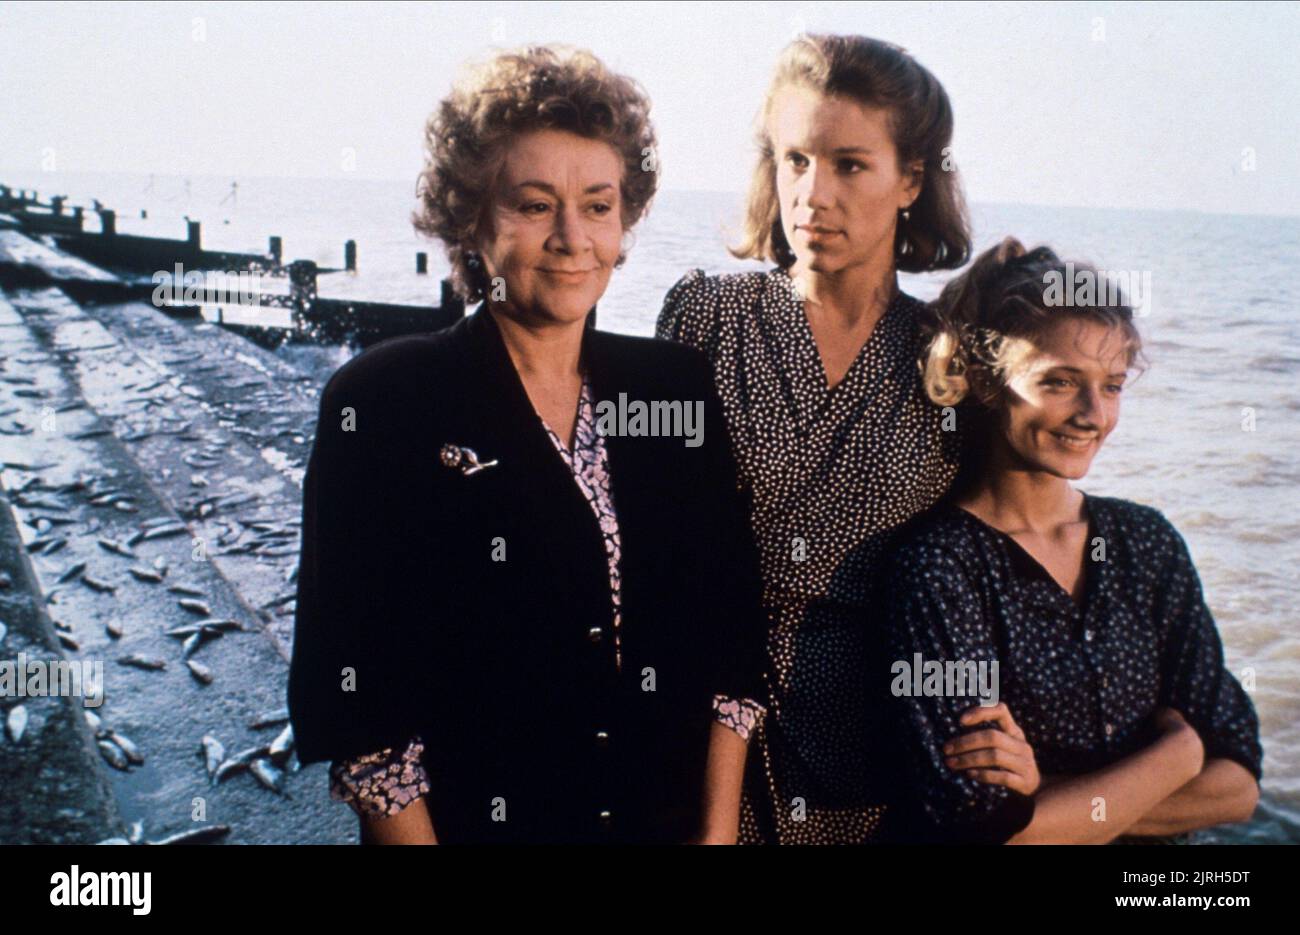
x=1164 y=106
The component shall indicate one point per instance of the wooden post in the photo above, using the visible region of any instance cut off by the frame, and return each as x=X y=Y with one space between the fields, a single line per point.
x=57 y=203
x=195 y=234
x=302 y=291
x=421 y=264
x=350 y=256
x=108 y=222
x=276 y=249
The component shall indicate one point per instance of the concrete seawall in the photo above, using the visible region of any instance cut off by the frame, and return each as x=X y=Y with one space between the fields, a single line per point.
x=151 y=477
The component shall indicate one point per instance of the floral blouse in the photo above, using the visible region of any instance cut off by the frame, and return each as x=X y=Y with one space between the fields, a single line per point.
x=385 y=782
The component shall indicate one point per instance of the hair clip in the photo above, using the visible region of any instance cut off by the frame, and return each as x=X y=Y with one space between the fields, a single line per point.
x=454 y=456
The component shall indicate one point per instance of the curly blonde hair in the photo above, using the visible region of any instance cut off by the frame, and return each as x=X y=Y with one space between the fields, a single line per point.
x=534 y=88
x=1004 y=294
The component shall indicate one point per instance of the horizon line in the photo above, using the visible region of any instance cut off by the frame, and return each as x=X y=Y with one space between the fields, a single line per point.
x=739 y=193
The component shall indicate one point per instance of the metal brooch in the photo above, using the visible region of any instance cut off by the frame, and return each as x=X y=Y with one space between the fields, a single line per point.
x=454 y=456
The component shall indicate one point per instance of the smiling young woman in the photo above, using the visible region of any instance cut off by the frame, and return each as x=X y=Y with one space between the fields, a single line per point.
x=1089 y=605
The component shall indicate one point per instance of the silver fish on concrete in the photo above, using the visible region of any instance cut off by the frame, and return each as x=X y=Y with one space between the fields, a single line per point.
x=72 y=572
x=112 y=545
x=127 y=745
x=271 y=719
x=195 y=606
x=16 y=723
x=113 y=755
x=140 y=661
x=268 y=775
x=214 y=753
x=196 y=836
x=282 y=745
x=103 y=587
x=200 y=671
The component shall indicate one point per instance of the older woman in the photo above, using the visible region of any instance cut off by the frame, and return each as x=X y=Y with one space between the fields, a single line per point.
x=836 y=441
x=515 y=624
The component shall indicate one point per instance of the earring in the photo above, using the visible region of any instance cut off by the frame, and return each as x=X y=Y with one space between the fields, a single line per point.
x=907 y=213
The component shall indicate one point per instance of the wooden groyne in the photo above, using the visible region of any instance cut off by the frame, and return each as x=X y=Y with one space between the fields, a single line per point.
x=128 y=264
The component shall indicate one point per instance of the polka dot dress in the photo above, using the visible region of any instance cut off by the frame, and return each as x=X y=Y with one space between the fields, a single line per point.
x=830 y=472
x=1083 y=680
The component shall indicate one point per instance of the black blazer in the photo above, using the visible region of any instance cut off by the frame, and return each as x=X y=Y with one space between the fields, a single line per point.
x=506 y=668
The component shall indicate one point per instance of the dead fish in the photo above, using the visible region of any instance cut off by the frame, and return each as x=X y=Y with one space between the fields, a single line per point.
x=282 y=745
x=3 y=630
x=95 y=723
x=112 y=545
x=268 y=775
x=72 y=572
x=200 y=671
x=146 y=574
x=150 y=663
x=103 y=587
x=68 y=641
x=195 y=607
x=114 y=755
x=92 y=433
x=192 y=644
x=136 y=832
x=54 y=545
x=162 y=532
x=214 y=753
x=113 y=629
x=198 y=480
x=126 y=506
x=278 y=716
x=132 y=752
x=195 y=836
x=183 y=632
x=215 y=627
x=105 y=498
x=16 y=722
x=184 y=589
x=132 y=539
x=237 y=762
